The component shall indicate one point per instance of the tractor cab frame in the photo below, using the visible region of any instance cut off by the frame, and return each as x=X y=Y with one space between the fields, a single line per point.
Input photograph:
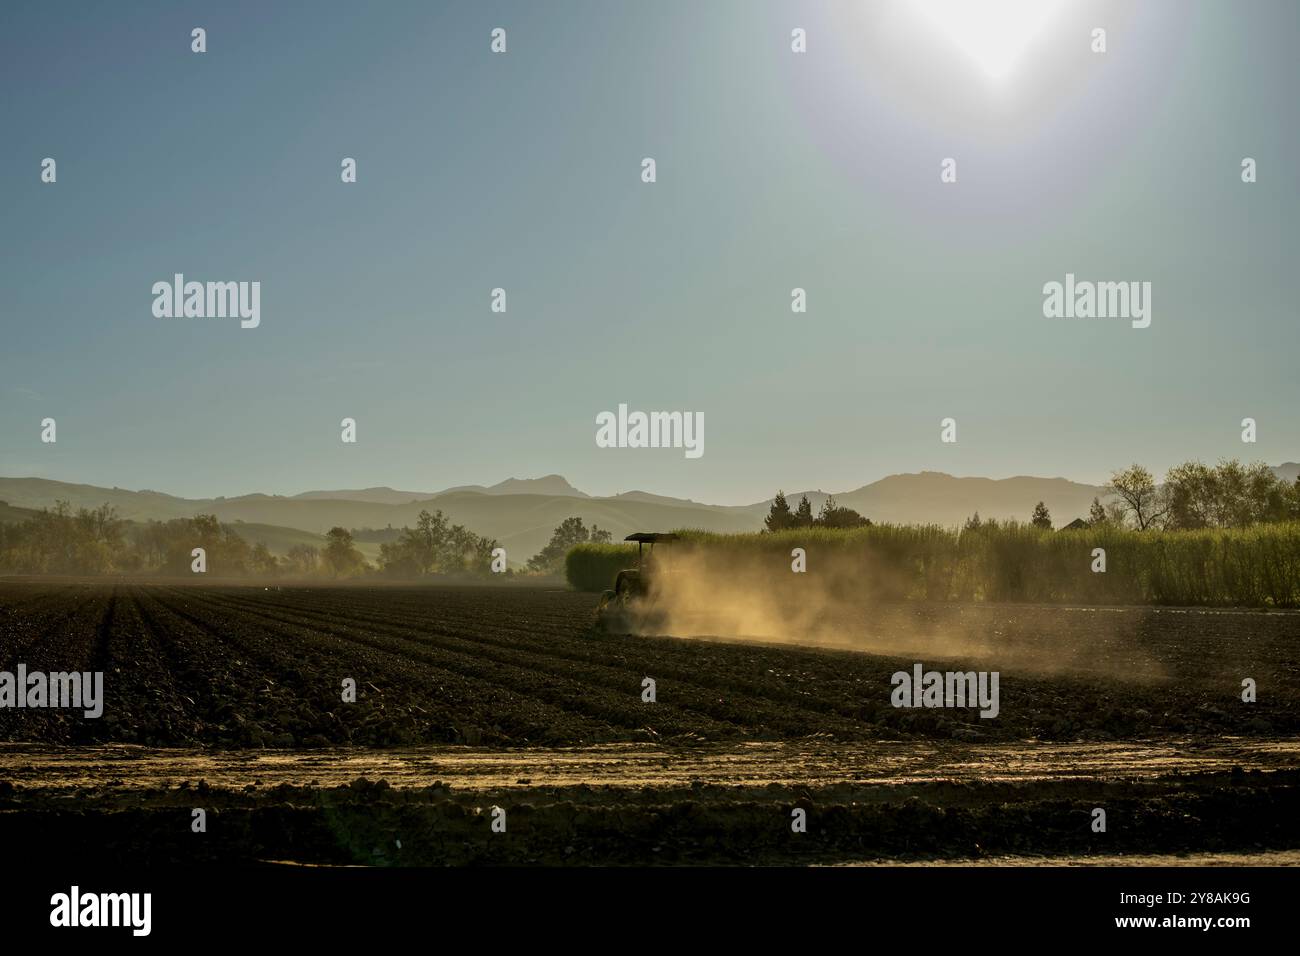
x=634 y=582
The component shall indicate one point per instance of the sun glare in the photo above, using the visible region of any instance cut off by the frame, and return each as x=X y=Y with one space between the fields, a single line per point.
x=992 y=32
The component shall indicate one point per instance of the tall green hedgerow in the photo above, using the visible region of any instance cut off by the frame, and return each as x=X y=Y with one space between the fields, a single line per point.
x=1251 y=567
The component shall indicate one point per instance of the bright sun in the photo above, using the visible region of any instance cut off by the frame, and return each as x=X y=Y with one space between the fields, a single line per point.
x=992 y=32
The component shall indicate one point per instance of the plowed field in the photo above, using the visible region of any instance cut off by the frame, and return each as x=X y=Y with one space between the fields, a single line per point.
x=231 y=698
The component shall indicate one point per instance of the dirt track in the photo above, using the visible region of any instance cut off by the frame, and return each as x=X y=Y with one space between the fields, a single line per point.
x=810 y=765
x=640 y=804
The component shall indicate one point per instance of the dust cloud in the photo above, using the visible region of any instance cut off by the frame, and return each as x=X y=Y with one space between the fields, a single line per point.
x=850 y=602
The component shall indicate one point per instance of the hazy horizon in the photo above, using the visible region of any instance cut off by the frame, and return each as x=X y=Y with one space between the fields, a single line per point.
x=775 y=170
x=794 y=489
x=467 y=485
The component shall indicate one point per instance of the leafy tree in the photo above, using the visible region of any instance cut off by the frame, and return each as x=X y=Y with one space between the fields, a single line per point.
x=302 y=560
x=571 y=532
x=833 y=516
x=168 y=546
x=1096 y=513
x=973 y=523
x=341 y=558
x=779 y=517
x=435 y=546
x=1264 y=496
x=803 y=515
x=60 y=541
x=398 y=561
x=1228 y=495
x=262 y=562
x=479 y=556
x=1139 y=496
x=1193 y=494
x=1041 y=517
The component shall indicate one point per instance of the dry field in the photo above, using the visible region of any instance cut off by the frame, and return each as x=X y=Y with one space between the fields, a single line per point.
x=229 y=698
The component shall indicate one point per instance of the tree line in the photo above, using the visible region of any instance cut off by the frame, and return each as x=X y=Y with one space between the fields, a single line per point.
x=61 y=540
x=1196 y=496
x=1193 y=497
x=88 y=541
x=831 y=515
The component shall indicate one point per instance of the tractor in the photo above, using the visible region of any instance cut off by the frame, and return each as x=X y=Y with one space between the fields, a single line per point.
x=632 y=602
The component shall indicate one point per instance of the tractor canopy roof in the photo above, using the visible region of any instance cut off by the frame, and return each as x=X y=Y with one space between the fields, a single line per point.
x=650 y=537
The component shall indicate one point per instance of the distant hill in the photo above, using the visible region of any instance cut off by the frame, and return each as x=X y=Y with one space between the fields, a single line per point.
x=934 y=497
x=378 y=496
x=647 y=497
x=522 y=513
x=521 y=522
x=43 y=493
x=546 y=485
x=279 y=540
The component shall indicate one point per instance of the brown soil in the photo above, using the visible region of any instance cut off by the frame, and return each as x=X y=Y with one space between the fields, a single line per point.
x=229 y=699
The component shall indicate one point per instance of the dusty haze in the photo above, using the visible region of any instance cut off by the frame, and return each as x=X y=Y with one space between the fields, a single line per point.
x=757 y=597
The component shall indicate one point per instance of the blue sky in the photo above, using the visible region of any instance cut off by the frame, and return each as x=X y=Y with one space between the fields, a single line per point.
x=522 y=171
